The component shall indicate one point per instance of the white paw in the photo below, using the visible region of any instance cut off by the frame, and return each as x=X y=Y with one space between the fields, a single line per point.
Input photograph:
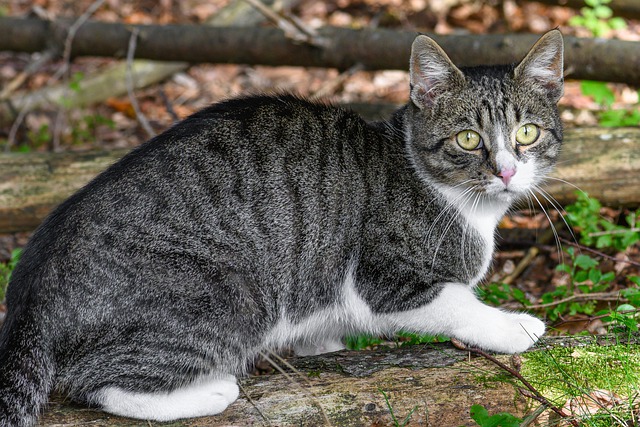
x=504 y=332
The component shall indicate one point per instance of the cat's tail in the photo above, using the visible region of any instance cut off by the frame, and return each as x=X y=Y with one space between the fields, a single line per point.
x=27 y=370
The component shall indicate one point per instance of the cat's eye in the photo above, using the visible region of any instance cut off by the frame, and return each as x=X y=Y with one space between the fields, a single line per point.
x=469 y=140
x=527 y=134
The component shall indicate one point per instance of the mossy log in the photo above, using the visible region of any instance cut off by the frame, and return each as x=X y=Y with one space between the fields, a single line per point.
x=435 y=384
x=603 y=162
x=428 y=385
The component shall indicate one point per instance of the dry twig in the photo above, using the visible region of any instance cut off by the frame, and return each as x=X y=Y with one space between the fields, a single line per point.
x=130 y=85
x=292 y=26
x=530 y=390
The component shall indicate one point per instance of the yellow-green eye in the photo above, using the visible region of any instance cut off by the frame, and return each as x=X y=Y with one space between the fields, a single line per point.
x=469 y=139
x=527 y=134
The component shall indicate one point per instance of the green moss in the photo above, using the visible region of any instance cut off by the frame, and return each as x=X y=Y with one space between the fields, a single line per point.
x=563 y=373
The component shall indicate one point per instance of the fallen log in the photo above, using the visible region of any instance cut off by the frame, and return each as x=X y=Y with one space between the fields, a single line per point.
x=111 y=81
x=437 y=383
x=342 y=48
x=603 y=162
x=433 y=384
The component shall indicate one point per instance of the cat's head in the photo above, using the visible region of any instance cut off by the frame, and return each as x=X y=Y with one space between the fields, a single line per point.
x=485 y=130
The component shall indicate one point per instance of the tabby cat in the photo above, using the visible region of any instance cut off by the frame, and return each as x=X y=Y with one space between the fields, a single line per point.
x=269 y=221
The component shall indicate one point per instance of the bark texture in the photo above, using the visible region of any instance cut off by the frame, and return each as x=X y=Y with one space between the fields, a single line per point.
x=375 y=49
x=432 y=385
x=438 y=383
x=603 y=162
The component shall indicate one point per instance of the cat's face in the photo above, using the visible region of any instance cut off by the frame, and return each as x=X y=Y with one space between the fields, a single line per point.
x=486 y=130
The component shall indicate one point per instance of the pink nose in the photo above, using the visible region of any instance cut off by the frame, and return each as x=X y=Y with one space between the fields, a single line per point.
x=506 y=175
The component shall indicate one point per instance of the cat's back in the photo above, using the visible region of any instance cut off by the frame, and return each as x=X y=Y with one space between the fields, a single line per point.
x=256 y=174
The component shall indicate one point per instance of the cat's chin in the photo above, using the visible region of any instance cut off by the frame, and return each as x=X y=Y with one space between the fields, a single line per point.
x=507 y=197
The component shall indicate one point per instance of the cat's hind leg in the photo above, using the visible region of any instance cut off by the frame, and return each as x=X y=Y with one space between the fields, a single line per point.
x=208 y=396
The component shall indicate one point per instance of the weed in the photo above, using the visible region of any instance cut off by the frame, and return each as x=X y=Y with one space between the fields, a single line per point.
x=595 y=230
x=504 y=419
x=361 y=342
x=574 y=377
x=6 y=269
x=598 y=18
x=604 y=96
x=396 y=423
x=499 y=293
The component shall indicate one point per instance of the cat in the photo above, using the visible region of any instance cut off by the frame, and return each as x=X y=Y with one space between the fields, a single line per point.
x=270 y=221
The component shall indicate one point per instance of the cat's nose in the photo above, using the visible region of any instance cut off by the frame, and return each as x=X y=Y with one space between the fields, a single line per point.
x=506 y=174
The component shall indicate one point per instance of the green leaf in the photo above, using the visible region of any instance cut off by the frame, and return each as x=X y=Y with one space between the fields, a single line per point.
x=625 y=307
x=504 y=419
x=585 y=262
x=576 y=21
x=602 y=12
x=599 y=91
x=604 y=241
x=595 y=275
x=617 y=23
x=634 y=279
x=608 y=277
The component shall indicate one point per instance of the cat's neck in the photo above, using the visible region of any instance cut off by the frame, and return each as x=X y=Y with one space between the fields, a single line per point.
x=482 y=212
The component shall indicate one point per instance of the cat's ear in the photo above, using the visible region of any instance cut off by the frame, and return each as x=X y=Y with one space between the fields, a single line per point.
x=543 y=65
x=431 y=72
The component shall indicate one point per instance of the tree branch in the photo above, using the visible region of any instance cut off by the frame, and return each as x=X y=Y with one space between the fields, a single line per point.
x=594 y=59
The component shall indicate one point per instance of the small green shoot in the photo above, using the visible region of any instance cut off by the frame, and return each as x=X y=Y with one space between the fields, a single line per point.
x=498 y=293
x=5 y=271
x=396 y=423
x=595 y=230
x=361 y=342
x=598 y=18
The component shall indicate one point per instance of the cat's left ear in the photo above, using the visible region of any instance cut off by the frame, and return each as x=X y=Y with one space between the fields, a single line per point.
x=431 y=72
x=543 y=65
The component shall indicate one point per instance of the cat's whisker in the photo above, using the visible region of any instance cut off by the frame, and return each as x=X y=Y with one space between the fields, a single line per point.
x=553 y=227
x=468 y=194
x=558 y=207
x=474 y=208
x=564 y=181
x=450 y=205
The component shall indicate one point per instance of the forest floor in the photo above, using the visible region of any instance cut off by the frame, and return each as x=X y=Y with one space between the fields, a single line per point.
x=113 y=123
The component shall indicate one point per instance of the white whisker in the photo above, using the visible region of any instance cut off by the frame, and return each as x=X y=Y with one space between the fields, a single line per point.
x=553 y=227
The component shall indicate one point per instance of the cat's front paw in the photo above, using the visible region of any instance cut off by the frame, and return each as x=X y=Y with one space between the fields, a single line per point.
x=505 y=333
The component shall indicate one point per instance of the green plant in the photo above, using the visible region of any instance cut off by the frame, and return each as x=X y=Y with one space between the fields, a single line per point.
x=396 y=423
x=361 y=342
x=37 y=138
x=598 y=18
x=6 y=269
x=503 y=419
x=595 y=230
x=604 y=96
x=596 y=383
x=85 y=129
x=584 y=277
x=499 y=293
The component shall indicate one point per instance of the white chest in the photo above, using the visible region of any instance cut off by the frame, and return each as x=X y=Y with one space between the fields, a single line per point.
x=482 y=215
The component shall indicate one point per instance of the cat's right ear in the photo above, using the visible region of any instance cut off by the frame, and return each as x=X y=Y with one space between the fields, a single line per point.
x=431 y=72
